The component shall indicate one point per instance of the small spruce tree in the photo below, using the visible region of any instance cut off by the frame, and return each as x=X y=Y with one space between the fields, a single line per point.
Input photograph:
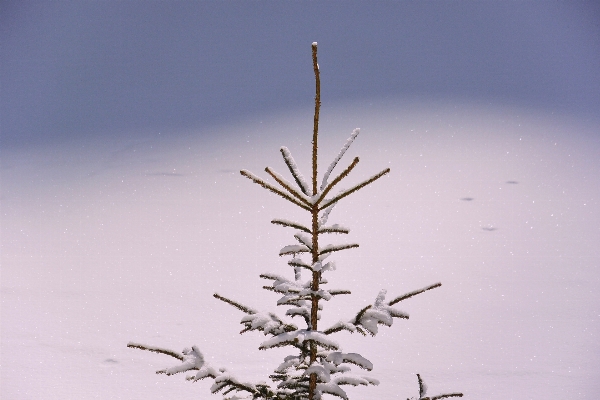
x=318 y=366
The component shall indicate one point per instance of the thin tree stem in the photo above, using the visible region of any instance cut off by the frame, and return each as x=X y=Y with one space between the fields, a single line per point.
x=312 y=385
x=316 y=118
x=314 y=310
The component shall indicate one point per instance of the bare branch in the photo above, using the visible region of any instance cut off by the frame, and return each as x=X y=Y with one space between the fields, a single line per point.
x=354 y=189
x=336 y=292
x=291 y=224
x=413 y=293
x=332 y=248
x=338 y=178
x=443 y=396
x=155 y=349
x=273 y=189
x=237 y=305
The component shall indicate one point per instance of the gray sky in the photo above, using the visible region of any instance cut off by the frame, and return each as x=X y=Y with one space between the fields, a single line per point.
x=78 y=69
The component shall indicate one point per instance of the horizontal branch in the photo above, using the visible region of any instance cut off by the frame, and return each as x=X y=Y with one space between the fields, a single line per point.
x=291 y=224
x=155 y=349
x=337 y=292
x=237 y=305
x=296 y=262
x=281 y=291
x=272 y=276
x=413 y=293
x=332 y=248
x=354 y=189
x=443 y=396
x=340 y=326
x=333 y=229
x=293 y=249
x=273 y=189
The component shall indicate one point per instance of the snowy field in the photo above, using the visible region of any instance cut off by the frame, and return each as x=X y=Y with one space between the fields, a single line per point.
x=114 y=240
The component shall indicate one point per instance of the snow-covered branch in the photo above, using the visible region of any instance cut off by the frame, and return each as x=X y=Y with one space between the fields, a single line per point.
x=268 y=323
x=291 y=164
x=338 y=358
x=291 y=224
x=335 y=228
x=293 y=249
x=336 y=247
x=298 y=337
x=303 y=239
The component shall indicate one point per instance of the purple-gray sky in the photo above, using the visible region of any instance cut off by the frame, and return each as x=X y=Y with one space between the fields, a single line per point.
x=77 y=68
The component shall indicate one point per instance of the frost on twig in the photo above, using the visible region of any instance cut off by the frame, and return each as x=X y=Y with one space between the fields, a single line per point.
x=291 y=164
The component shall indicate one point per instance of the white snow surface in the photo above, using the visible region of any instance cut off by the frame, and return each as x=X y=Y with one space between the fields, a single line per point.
x=110 y=241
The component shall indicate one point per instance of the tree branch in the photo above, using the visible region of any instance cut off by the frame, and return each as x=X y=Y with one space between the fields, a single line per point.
x=354 y=189
x=290 y=189
x=413 y=293
x=155 y=349
x=273 y=189
x=237 y=305
x=338 y=178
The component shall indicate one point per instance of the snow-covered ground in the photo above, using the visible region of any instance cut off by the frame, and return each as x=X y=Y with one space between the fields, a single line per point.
x=110 y=241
